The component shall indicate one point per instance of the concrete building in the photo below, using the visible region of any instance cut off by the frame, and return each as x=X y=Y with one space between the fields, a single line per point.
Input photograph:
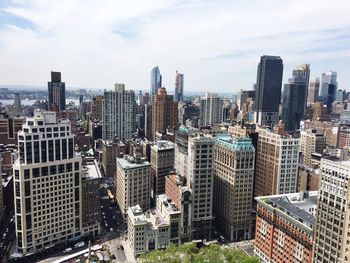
x=96 y=108
x=133 y=182
x=308 y=179
x=111 y=149
x=332 y=238
x=164 y=112
x=47 y=184
x=9 y=126
x=313 y=91
x=56 y=92
x=153 y=229
x=118 y=113
x=268 y=90
x=330 y=130
x=200 y=179
x=210 y=110
x=311 y=142
x=276 y=164
x=162 y=162
x=233 y=186
x=91 y=213
x=284 y=227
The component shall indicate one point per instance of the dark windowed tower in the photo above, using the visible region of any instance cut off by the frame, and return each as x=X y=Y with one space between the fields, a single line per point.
x=294 y=100
x=57 y=92
x=268 y=92
x=156 y=81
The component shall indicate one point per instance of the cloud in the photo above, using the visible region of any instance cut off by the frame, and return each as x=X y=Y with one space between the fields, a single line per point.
x=216 y=43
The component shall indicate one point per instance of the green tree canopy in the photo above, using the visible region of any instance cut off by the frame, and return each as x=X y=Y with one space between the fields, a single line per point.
x=189 y=253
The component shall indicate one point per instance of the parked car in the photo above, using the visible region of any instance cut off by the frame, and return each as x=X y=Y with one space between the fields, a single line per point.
x=68 y=249
x=79 y=244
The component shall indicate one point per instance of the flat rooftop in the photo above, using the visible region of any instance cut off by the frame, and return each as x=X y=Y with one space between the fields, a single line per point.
x=131 y=163
x=91 y=171
x=299 y=206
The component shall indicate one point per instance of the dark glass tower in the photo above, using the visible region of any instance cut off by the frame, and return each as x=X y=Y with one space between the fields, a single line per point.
x=57 y=92
x=156 y=80
x=268 y=91
x=293 y=100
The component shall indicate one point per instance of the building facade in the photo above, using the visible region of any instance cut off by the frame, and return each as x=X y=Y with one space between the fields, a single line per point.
x=164 y=112
x=276 y=164
x=162 y=163
x=156 y=81
x=311 y=142
x=284 y=227
x=111 y=149
x=313 y=91
x=119 y=113
x=133 y=182
x=268 y=91
x=47 y=184
x=57 y=92
x=179 y=87
x=233 y=186
x=210 y=110
x=332 y=238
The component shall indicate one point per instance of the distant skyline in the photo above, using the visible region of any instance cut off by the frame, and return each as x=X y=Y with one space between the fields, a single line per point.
x=216 y=44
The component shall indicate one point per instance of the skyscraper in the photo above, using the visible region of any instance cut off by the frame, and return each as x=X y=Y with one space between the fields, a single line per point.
x=17 y=100
x=304 y=70
x=179 y=87
x=156 y=80
x=210 y=110
x=268 y=92
x=233 y=186
x=118 y=113
x=314 y=88
x=164 y=112
x=57 y=92
x=47 y=183
x=329 y=87
x=294 y=101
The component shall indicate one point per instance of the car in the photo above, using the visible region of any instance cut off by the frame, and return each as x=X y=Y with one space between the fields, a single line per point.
x=101 y=206
x=1 y=245
x=110 y=208
x=104 y=217
x=103 y=213
x=79 y=244
x=7 y=230
x=68 y=249
x=111 y=229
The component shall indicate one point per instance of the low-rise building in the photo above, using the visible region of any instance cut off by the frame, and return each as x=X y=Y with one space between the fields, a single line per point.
x=284 y=227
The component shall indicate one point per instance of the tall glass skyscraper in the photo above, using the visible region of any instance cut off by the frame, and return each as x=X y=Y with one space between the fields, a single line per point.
x=156 y=80
x=293 y=100
x=179 y=87
x=328 y=88
x=268 y=91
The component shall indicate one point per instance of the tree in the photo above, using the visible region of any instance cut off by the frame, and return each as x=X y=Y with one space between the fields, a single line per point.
x=189 y=253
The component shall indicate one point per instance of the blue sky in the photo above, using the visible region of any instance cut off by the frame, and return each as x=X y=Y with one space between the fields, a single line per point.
x=216 y=44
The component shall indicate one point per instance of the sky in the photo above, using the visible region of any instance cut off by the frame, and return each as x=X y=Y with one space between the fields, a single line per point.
x=216 y=44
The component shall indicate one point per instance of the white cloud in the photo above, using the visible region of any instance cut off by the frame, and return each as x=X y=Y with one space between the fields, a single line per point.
x=217 y=43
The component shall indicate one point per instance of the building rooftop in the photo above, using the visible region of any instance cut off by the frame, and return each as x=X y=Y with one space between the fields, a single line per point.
x=298 y=206
x=132 y=162
x=91 y=171
x=163 y=145
x=236 y=144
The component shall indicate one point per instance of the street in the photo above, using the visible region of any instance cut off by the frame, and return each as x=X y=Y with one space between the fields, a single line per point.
x=7 y=235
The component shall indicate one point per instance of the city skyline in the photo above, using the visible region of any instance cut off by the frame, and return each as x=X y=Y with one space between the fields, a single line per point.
x=120 y=44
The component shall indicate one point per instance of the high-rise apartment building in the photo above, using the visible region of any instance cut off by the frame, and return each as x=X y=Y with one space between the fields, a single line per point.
x=285 y=227
x=156 y=81
x=311 y=142
x=17 y=100
x=47 y=184
x=9 y=126
x=96 y=108
x=118 y=113
x=133 y=182
x=164 y=112
x=313 y=91
x=276 y=164
x=57 y=92
x=344 y=137
x=294 y=101
x=210 y=110
x=111 y=149
x=268 y=92
x=332 y=237
x=234 y=160
x=162 y=163
x=179 y=87
x=200 y=179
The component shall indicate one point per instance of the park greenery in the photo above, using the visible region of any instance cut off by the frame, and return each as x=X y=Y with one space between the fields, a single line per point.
x=189 y=253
